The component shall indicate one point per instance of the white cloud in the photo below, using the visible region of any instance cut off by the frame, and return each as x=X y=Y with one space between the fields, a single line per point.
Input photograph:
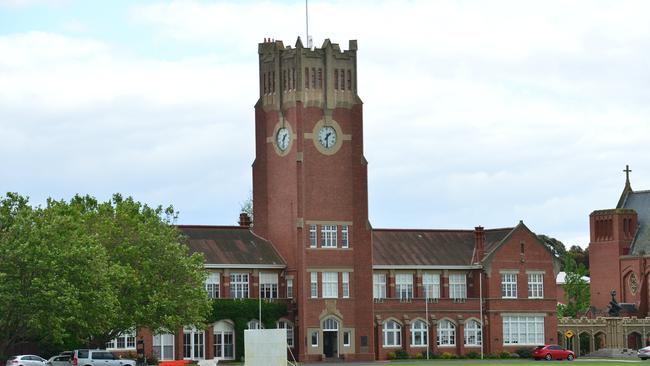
x=475 y=112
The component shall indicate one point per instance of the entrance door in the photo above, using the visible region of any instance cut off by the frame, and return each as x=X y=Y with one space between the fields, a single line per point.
x=330 y=344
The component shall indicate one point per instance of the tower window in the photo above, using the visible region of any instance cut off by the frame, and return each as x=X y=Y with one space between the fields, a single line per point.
x=320 y=78
x=264 y=83
x=284 y=80
x=313 y=78
x=336 y=79
x=349 y=79
x=306 y=78
x=293 y=78
x=273 y=82
x=345 y=239
x=312 y=236
x=328 y=236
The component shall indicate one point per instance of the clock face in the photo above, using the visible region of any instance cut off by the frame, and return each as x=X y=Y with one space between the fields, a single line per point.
x=283 y=138
x=327 y=136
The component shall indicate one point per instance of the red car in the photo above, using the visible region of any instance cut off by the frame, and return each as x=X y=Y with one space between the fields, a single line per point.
x=552 y=352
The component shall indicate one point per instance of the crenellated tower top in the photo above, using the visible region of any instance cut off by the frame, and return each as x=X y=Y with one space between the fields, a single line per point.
x=324 y=77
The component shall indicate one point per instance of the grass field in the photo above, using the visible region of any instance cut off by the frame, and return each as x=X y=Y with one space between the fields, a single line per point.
x=578 y=362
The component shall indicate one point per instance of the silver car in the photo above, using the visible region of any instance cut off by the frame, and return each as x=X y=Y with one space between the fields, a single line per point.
x=26 y=360
x=60 y=360
x=98 y=357
x=644 y=353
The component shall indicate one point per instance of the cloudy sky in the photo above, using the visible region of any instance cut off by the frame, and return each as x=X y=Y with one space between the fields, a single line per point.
x=475 y=112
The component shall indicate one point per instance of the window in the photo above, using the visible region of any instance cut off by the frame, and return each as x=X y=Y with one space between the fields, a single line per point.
x=255 y=324
x=431 y=283
x=345 y=281
x=193 y=344
x=284 y=80
x=457 y=286
x=523 y=330
x=392 y=334
x=163 y=346
x=446 y=333
x=224 y=345
x=239 y=285
x=314 y=284
x=336 y=79
x=328 y=236
x=313 y=78
x=314 y=338
x=473 y=334
x=419 y=334
x=283 y=324
x=536 y=285
x=269 y=285
x=306 y=78
x=379 y=286
x=509 y=285
x=320 y=78
x=293 y=78
x=124 y=340
x=404 y=286
x=330 y=324
x=345 y=242
x=330 y=284
x=349 y=80
x=212 y=285
x=273 y=81
x=289 y=288
x=346 y=338
x=312 y=236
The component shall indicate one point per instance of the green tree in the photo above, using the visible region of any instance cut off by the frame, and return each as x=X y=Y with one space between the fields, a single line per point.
x=576 y=289
x=556 y=246
x=247 y=207
x=581 y=255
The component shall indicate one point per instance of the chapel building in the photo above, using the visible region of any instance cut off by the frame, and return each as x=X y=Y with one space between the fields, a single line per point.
x=354 y=292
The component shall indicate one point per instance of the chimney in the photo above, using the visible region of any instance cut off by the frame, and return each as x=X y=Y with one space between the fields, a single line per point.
x=244 y=219
x=479 y=244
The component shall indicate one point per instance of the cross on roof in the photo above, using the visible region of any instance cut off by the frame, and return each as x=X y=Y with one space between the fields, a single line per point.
x=627 y=172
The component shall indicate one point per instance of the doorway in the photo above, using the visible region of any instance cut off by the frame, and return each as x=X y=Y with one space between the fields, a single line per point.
x=331 y=338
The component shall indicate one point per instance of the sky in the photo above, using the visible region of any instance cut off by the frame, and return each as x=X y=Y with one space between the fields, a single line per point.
x=475 y=112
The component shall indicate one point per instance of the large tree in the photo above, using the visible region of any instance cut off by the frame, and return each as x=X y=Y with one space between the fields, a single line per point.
x=84 y=271
x=576 y=289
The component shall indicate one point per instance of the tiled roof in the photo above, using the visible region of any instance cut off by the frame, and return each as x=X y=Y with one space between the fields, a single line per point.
x=403 y=247
x=230 y=245
x=640 y=202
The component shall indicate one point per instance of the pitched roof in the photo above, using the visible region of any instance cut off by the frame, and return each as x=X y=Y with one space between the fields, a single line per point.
x=416 y=247
x=639 y=201
x=230 y=245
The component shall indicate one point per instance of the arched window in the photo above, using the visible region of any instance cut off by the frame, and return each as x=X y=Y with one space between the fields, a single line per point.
x=330 y=324
x=446 y=333
x=224 y=340
x=284 y=324
x=473 y=335
x=419 y=333
x=255 y=324
x=392 y=334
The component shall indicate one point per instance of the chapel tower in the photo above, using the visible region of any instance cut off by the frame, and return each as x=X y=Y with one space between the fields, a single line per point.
x=310 y=193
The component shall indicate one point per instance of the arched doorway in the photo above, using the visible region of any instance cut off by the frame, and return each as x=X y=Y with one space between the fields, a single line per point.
x=331 y=338
x=600 y=341
x=585 y=343
x=224 y=340
x=634 y=340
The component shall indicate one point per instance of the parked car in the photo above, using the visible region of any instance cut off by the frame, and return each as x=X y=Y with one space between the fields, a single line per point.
x=552 y=352
x=26 y=360
x=98 y=357
x=60 y=360
x=644 y=353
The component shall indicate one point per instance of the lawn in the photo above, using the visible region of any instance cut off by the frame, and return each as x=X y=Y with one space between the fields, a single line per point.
x=580 y=362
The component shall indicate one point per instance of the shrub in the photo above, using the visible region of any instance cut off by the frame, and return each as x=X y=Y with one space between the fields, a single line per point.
x=152 y=360
x=391 y=355
x=504 y=354
x=514 y=355
x=418 y=356
x=473 y=355
x=401 y=355
x=447 y=356
x=525 y=352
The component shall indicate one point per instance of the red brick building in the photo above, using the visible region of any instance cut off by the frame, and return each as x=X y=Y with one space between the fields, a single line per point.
x=355 y=292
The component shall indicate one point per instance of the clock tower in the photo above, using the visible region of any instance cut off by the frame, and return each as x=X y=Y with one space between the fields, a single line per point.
x=310 y=193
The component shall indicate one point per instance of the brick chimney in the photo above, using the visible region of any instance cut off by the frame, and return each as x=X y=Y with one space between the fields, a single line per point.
x=244 y=219
x=479 y=244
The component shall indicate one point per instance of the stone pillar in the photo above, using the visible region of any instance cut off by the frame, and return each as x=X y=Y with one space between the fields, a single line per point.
x=390 y=286
x=406 y=334
x=209 y=343
x=225 y=279
x=433 y=334
x=460 y=337
x=380 y=337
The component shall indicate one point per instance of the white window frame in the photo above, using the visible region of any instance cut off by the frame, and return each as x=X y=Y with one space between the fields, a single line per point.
x=330 y=281
x=254 y=324
x=268 y=285
x=508 y=285
x=391 y=327
x=419 y=333
x=446 y=333
x=345 y=236
x=196 y=345
x=285 y=324
x=314 y=337
x=123 y=341
x=313 y=236
x=223 y=329
x=535 y=285
x=345 y=284
x=239 y=285
x=526 y=330
x=404 y=285
x=431 y=284
x=473 y=333
x=346 y=342
x=289 y=288
x=457 y=286
x=328 y=236
x=212 y=285
x=314 y=284
x=379 y=285
x=161 y=343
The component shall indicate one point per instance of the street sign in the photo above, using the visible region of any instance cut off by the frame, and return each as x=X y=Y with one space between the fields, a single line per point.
x=569 y=333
